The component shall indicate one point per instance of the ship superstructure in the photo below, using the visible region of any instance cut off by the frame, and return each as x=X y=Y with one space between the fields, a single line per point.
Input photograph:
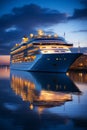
x=43 y=53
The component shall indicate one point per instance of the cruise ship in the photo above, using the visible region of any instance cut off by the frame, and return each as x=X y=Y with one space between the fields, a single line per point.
x=43 y=53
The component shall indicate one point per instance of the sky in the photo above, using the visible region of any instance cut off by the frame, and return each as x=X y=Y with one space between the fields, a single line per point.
x=4 y=59
x=22 y=17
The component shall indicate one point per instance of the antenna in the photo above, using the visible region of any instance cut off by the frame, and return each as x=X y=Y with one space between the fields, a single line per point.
x=64 y=34
x=78 y=47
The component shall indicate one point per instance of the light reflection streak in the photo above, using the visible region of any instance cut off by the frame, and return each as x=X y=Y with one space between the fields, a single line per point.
x=4 y=73
x=79 y=77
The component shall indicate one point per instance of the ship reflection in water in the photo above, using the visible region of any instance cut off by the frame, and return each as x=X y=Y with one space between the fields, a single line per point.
x=43 y=90
x=42 y=101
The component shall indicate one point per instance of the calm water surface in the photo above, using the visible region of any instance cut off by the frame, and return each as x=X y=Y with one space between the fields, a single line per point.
x=42 y=101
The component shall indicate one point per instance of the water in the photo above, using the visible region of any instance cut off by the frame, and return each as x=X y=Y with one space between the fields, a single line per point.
x=42 y=101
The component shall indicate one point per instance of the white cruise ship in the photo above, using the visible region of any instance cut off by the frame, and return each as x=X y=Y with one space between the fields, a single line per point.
x=43 y=53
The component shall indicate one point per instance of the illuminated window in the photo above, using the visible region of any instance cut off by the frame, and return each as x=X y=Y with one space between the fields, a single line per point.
x=60 y=47
x=43 y=47
x=45 y=51
x=53 y=47
x=62 y=51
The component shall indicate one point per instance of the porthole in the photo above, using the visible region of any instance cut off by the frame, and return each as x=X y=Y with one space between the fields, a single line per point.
x=56 y=58
x=64 y=58
x=48 y=58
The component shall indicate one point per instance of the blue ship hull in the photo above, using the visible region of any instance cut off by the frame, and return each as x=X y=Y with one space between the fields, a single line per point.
x=48 y=63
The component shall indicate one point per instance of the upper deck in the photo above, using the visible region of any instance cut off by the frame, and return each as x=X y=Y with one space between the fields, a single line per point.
x=50 y=41
x=41 y=39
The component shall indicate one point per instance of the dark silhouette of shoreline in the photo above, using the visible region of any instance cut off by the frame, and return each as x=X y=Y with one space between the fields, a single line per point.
x=80 y=64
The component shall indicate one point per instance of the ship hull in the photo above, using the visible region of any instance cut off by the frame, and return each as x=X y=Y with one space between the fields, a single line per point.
x=48 y=63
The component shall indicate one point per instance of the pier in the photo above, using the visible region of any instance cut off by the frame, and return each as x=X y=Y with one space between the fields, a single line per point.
x=80 y=64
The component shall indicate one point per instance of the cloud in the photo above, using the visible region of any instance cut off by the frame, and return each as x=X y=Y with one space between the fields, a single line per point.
x=82 y=31
x=5 y=49
x=84 y=2
x=29 y=17
x=4 y=2
x=26 y=19
x=79 y=14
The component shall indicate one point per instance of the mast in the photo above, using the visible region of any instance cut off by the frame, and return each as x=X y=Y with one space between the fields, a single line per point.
x=64 y=35
x=78 y=47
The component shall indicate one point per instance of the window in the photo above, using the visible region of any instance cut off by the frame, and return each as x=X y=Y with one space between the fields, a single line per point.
x=60 y=47
x=62 y=51
x=43 y=47
x=45 y=51
x=53 y=47
x=56 y=51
